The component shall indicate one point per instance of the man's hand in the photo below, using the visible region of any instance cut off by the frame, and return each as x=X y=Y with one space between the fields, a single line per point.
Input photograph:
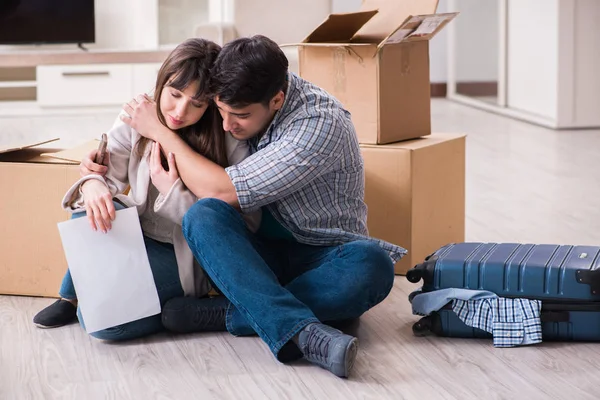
x=163 y=180
x=88 y=166
x=141 y=116
x=99 y=207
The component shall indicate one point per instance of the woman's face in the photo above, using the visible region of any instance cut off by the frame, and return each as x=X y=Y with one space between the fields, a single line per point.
x=179 y=107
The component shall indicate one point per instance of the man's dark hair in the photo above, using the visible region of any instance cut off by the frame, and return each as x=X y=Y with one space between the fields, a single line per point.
x=249 y=70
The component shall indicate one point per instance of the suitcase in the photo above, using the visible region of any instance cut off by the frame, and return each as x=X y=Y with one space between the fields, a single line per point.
x=565 y=278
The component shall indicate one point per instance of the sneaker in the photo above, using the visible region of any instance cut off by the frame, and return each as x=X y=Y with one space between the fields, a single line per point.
x=59 y=313
x=329 y=348
x=190 y=314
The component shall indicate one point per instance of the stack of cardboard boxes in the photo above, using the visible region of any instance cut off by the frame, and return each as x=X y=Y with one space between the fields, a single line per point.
x=376 y=62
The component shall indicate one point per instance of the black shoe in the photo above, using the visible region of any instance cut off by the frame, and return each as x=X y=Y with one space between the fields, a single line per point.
x=190 y=314
x=59 y=313
x=329 y=348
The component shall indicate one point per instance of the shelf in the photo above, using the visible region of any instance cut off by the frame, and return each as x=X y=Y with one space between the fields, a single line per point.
x=17 y=84
x=64 y=57
x=32 y=109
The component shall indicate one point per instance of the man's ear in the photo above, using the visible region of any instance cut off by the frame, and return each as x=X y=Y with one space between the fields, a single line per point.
x=277 y=101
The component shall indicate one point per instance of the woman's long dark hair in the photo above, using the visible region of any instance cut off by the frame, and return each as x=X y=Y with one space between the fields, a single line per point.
x=188 y=62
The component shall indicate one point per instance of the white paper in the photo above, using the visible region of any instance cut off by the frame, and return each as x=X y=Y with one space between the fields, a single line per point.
x=111 y=272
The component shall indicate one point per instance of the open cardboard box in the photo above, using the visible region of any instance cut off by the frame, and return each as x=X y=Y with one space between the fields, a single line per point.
x=34 y=180
x=415 y=194
x=376 y=62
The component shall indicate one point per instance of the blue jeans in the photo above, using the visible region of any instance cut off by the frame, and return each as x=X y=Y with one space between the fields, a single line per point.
x=166 y=278
x=278 y=287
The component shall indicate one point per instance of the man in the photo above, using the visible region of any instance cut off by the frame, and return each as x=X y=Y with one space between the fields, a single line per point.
x=312 y=261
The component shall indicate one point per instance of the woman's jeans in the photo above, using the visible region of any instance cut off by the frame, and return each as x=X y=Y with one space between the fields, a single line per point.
x=166 y=277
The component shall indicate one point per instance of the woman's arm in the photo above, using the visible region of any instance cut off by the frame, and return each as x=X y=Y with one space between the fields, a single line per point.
x=93 y=193
x=174 y=198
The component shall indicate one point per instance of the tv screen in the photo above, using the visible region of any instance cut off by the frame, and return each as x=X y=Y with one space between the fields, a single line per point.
x=46 y=21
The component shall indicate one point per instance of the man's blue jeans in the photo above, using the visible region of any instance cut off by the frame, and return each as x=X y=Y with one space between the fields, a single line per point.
x=277 y=287
x=166 y=277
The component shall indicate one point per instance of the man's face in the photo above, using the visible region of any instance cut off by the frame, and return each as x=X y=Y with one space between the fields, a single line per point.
x=246 y=122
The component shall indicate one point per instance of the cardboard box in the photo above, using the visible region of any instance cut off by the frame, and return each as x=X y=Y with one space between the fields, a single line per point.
x=376 y=62
x=32 y=261
x=415 y=193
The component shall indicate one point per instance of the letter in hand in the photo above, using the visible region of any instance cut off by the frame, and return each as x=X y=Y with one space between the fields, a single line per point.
x=96 y=161
x=99 y=206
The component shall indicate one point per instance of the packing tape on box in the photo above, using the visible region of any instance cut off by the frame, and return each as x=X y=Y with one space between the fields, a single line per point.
x=339 y=56
x=339 y=69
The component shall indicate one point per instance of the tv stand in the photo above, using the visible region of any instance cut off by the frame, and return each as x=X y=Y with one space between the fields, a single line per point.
x=80 y=45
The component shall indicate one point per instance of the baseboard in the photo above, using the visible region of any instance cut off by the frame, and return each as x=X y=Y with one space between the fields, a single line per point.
x=473 y=89
x=439 y=89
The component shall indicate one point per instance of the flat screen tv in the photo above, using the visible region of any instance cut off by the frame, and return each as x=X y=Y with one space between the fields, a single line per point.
x=46 y=21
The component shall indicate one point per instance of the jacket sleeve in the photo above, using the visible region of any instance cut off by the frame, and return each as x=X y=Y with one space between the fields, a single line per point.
x=176 y=203
x=120 y=145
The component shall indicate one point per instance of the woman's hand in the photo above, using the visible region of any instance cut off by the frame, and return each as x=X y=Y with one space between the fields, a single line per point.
x=163 y=180
x=99 y=206
x=88 y=166
x=142 y=116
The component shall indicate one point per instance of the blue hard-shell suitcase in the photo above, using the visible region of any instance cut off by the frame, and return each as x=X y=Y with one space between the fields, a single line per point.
x=565 y=278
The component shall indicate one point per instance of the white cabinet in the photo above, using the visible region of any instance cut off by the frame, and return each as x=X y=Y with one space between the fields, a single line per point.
x=93 y=84
x=83 y=85
x=532 y=68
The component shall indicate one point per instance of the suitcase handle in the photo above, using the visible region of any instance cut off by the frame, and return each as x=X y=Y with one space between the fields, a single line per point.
x=590 y=277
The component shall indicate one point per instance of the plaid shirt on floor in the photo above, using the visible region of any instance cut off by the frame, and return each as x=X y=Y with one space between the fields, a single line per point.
x=512 y=322
x=308 y=171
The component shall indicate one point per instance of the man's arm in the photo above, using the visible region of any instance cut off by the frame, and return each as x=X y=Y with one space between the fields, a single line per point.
x=287 y=166
x=202 y=177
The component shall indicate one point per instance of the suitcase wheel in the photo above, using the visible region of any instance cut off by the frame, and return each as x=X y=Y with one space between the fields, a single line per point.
x=422 y=327
x=412 y=296
x=414 y=275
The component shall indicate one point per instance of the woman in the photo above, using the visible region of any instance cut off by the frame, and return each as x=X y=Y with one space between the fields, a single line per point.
x=183 y=105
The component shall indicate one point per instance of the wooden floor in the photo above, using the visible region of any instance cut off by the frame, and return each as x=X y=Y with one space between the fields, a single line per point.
x=524 y=183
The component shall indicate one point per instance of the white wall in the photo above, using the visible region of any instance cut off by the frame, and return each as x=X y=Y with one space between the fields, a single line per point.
x=126 y=24
x=282 y=21
x=344 y=6
x=533 y=56
x=178 y=19
x=146 y=24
